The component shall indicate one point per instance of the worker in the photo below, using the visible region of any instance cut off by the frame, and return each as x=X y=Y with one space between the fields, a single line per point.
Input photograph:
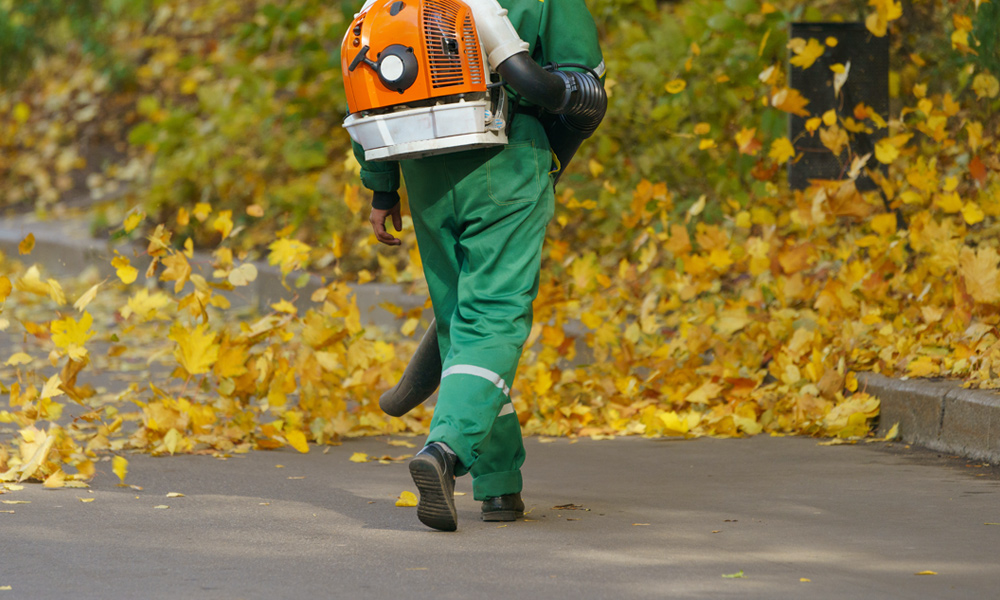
x=480 y=218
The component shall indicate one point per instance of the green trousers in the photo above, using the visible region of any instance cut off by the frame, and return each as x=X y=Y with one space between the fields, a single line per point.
x=480 y=219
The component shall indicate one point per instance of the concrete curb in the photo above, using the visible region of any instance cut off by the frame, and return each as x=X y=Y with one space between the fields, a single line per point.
x=940 y=415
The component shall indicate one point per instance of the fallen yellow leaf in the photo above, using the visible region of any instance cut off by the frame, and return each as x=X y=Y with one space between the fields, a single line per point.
x=18 y=358
x=406 y=499
x=297 y=439
x=27 y=244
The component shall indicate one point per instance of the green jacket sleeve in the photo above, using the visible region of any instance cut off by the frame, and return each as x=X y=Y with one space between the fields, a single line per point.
x=380 y=176
x=568 y=34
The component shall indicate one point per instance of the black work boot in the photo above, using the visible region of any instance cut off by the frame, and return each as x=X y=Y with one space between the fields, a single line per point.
x=508 y=507
x=433 y=472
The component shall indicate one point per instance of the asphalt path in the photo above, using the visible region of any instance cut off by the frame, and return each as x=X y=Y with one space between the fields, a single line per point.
x=626 y=518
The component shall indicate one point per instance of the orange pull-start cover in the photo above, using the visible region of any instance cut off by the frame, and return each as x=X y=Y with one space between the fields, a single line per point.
x=440 y=37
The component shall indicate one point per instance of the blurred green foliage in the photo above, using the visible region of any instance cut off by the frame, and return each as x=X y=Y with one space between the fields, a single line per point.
x=30 y=29
x=238 y=104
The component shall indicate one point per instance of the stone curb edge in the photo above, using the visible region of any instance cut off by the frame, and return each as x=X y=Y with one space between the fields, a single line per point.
x=938 y=414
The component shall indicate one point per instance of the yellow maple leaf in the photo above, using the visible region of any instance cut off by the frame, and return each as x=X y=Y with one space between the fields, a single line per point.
x=55 y=480
x=223 y=223
x=173 y=441
x=51 y=387
x=885 y=12
x=806 y=53
x=284 y=306
x=770 y=75
x=675 y=424
x=119 y=465
x=886 y=151
x=925 y=366
x=288 y=254
x=409 y=326
x=196 y=349
x=979 y=270
x=27 y=244
x=747 y=142
x=31 y=282
x=790 y=101
x=406 y=499
x=145 y=305
x=22 y=112
x=18 y=358
x=232 y=361
x=126 y=272
x=877 y=25
x=69 y=333
x=950 y=203
x=178 y=270
x=5 y=288
x=676 y=86
x=352 y=198
x=36 y=447
x=297 y=439
x=706 y=392
x=592 y=320
x=986 y=86
x=359 y=457
x=86 y=298
x=543 y=381
x=132 y=221
x=972 y=213
x=242 y=275
x=884 y=224
x=782 y=150
x=201 y=211
x=834 y=138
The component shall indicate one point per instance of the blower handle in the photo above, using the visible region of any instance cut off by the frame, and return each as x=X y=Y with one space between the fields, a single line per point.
x=362 y=58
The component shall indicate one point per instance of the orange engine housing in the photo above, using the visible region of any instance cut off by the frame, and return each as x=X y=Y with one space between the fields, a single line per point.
x=432 y=42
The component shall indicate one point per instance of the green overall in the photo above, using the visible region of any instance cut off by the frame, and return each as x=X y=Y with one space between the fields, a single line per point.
x=480 y=219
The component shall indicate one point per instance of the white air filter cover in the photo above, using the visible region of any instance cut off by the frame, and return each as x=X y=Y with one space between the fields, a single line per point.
x=417 y=132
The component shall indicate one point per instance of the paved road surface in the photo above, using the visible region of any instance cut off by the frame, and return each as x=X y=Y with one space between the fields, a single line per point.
x=659 y=519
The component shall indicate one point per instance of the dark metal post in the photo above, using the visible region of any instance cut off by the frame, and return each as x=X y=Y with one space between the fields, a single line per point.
x=867 y=82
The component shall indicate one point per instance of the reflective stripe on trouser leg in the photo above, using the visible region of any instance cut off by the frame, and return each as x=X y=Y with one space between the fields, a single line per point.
x=480 y=218
x=508 y=407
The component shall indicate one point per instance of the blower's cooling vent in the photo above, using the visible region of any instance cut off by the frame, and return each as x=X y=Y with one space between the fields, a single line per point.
x=441 y=38
x=472 y=50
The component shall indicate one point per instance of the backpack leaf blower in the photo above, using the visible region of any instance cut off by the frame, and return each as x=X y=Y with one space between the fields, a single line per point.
x=418 y=76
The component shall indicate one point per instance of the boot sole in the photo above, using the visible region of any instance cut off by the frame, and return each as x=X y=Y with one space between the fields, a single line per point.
x=436 y=508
